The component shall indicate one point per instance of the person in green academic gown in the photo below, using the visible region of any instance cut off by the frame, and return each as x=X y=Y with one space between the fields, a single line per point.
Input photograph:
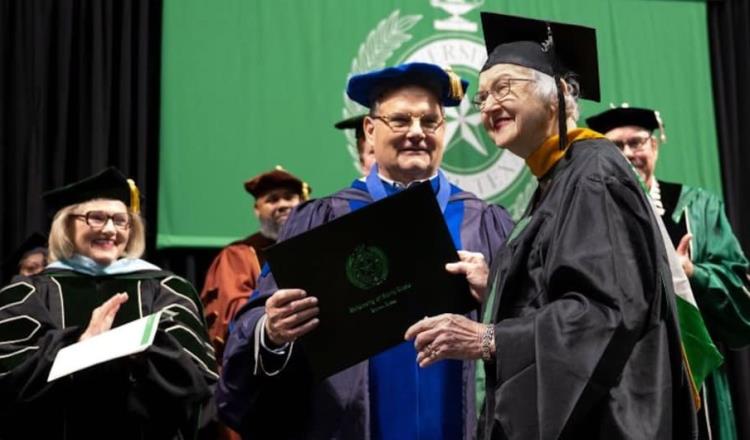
x=579 y=338
x=710 y=254
x=95 y=282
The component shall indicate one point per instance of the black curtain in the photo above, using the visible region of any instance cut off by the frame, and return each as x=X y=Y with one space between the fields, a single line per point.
x=729 y=30
x=79 y=91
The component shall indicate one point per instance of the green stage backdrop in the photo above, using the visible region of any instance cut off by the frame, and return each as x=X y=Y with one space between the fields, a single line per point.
x=251 y=84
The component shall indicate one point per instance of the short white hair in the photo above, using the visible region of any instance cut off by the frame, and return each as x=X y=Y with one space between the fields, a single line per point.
x=546 y=89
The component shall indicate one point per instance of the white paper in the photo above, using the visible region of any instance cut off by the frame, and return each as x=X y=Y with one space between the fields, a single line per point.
x=127 y=339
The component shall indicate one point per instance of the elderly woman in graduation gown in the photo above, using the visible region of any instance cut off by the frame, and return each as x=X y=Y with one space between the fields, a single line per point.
x=580 y=339
x=96 y=282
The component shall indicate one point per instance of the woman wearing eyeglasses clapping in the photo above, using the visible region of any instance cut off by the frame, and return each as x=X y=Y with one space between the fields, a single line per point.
x=95 y=282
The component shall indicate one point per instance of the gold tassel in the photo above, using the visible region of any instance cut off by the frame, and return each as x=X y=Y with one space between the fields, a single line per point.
x=135 y=197
x=456 y=92
x=305 y=191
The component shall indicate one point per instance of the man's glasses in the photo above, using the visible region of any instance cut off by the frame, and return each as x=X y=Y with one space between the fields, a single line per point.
x=636 y=143
x=499 y=90
x=97 y=219
x=402 y=122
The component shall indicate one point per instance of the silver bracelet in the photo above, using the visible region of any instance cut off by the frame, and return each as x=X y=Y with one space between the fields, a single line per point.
x=487 y=338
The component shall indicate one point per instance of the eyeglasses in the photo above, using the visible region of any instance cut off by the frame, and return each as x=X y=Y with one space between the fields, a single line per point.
x=402 y=122
x=499 y=90
x=636 y=143
x=97 y=219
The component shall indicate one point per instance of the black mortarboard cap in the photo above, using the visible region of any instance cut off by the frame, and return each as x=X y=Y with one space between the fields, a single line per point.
x=107 y=184
x=353 y=123
x=556 y=49
x=33 y=242
x=624 y=116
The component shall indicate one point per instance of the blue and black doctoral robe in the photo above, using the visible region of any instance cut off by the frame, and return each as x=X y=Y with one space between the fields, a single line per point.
x=385 y=397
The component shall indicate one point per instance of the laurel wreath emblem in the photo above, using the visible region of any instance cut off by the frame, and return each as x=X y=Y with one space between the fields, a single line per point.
x=381 y=43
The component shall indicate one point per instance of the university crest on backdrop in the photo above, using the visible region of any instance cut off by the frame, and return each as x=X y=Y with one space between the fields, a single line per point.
x=451 y=39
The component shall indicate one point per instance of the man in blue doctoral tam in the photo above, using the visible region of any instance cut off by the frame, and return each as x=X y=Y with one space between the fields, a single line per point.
x=266 y=390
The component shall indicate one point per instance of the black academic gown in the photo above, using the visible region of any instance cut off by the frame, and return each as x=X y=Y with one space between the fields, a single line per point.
x=162 y=393
x=586 y=336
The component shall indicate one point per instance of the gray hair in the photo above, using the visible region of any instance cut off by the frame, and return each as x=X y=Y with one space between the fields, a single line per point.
x=546 y=89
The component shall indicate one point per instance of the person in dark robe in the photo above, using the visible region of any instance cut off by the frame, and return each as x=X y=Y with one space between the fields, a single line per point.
x=96 y=281
x=266 y=390
x=710 y=253
x=580 y=338
x=365 y=153
x=28 y=259
x=233 y=274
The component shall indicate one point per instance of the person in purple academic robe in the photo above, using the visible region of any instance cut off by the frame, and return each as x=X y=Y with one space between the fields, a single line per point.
x=266 y=391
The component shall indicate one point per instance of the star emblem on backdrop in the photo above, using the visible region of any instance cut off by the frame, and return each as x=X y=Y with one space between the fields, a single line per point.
x=462 y=121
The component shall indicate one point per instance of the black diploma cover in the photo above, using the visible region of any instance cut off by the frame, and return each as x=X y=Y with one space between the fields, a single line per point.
x=375 y=272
